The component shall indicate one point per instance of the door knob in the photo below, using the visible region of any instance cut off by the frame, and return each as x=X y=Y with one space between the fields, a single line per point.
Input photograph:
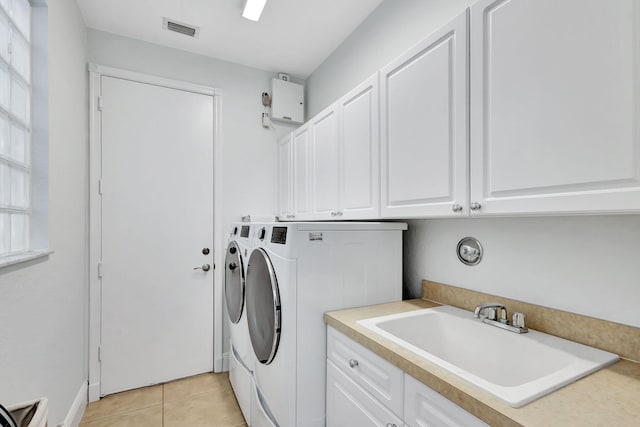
x=233 y=266
x=205 y=267
x=475 y=206
x=456 y=207
x=353 y=363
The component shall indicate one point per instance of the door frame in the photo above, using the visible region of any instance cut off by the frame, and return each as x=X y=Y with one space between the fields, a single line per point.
x=96 y=72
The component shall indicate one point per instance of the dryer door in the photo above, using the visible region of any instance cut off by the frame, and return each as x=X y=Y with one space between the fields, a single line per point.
x=234 y=282
x=263 y=306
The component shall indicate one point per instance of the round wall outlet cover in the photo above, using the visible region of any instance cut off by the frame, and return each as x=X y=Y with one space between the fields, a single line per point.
x=469 y=251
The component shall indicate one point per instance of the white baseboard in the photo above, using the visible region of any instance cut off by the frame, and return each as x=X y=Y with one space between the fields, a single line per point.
x=74 y=416
x=224 y=362
x=94 y=392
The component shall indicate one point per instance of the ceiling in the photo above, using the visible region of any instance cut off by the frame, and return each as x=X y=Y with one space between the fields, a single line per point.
x=292 y=36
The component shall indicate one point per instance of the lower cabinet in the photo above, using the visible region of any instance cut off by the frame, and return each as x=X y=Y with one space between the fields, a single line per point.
x=424 y=407
x=365 y=391
x=349 y=405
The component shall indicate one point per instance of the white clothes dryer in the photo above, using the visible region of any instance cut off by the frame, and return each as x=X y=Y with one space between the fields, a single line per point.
x=241 y=360
x=296 y=273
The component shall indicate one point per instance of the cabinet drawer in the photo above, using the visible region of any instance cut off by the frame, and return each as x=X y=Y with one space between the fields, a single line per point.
x=377 y=376
x=425 y=407
x=349 y=405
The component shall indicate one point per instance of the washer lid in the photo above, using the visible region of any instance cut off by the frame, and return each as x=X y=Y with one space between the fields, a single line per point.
x=263 y=306
x=234 y=282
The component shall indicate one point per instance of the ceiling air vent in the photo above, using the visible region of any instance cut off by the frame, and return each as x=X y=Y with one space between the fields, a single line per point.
x=180 y=27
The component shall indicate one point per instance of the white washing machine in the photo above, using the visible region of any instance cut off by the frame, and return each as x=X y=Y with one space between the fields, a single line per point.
x=297 y=272
x=241 y=360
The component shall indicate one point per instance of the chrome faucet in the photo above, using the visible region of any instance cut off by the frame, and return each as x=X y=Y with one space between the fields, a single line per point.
x=495 y=314
x=492 y=309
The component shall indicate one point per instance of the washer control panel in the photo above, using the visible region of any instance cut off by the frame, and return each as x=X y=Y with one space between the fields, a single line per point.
x=279 y=235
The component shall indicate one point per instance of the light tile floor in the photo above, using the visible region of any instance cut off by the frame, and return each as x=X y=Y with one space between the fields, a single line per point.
x=202 y=401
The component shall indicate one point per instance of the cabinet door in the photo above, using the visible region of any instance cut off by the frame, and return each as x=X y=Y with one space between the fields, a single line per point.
x=348 y=405
x=555 y=106
x=424 y=407
x=360 y=150
x=301 y=174
x=424 y=101
x=285 y=169
x=325 y=164
x=379 y=378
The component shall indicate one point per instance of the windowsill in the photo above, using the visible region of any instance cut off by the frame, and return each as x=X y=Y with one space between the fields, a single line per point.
x=27 y=256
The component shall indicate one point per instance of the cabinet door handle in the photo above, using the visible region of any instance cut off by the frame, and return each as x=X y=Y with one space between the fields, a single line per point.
x=456 y=207
x=334 y=213
x=353 y=363
x=475 y=206
x=339 y=213
x=391 y=425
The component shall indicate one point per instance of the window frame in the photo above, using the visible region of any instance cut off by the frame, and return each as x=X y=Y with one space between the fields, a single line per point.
x=36 y=128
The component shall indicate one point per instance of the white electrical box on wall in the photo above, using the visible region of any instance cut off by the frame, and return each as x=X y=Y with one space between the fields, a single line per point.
x=287 y=103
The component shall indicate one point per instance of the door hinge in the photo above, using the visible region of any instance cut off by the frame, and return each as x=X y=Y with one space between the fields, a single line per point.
x=100 y=270
x=100 y=187
x=99 y=353
x=100 y=103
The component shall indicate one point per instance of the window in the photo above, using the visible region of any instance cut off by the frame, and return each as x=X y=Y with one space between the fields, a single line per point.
x=15 y=126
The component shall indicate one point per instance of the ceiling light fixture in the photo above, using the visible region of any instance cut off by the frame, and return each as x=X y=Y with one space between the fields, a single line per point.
x=253 y=9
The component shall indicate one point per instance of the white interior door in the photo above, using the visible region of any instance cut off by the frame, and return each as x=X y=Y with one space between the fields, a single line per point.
x=157 y=216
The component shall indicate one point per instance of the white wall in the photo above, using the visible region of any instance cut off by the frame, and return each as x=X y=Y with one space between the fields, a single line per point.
x=584 y=264
x=43 y=304
x=581 y=264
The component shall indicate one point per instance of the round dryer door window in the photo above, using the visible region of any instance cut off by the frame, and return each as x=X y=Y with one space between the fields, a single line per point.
x=263 y=306
x=234 y=282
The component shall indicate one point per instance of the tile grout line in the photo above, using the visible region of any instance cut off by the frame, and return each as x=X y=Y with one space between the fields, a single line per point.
x=115 y=414
x=190 y=396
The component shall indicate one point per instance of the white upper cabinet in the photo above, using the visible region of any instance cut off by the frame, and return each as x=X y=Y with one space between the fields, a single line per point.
x=285 y=168
x=424 y=104
x=555 y=106
x=516 y=107
x=294 y=151
x=345 y=156
x=360 y=152
x=325 y=163
x=301 y=152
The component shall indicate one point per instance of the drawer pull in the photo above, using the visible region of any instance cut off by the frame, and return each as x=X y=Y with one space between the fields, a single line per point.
x=353 y=363
x=391 y=425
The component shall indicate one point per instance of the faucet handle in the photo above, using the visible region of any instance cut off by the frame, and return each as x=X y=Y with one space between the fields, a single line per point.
x=503 y=315
x=518 y=320
x=489 y=313
x=488 y=310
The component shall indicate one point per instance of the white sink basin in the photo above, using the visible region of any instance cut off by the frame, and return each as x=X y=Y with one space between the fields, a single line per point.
x=515 y=368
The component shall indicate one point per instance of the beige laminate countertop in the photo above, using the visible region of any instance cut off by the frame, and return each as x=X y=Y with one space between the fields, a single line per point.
x=609 y=397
